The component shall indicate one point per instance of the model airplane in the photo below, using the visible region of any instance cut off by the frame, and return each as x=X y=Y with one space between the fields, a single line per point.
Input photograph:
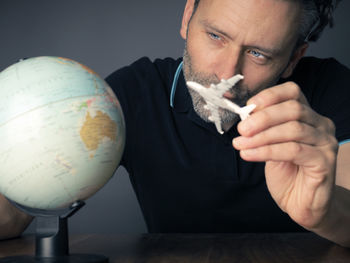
x=213 y=96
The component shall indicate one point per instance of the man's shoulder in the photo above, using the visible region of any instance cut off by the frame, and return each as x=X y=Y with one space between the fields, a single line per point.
x=324 y=82
x=318 y=68
x=143 y=79
x=143 y=70
x=315 y=75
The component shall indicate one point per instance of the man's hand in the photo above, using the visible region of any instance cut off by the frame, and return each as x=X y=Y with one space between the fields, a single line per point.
x=299 y=148
x=12 y=221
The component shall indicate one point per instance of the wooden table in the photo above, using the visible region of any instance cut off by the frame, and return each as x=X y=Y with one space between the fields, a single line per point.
x=203 y=248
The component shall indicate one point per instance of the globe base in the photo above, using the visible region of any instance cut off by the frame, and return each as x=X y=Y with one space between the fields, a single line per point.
x=74 y=258
x=51 y=238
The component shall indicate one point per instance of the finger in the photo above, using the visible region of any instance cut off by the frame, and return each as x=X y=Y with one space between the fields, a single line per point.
x=297 y=153
x=292 y=131
x=278 y=94
x=274 y=115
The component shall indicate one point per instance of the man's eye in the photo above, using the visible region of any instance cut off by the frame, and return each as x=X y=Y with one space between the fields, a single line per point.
x=214 y=36
x=256 y=54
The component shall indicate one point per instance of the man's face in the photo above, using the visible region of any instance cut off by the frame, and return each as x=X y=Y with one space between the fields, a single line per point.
x=254 y=38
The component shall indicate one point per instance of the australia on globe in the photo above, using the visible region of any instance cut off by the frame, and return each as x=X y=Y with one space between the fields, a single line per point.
x=62 y=131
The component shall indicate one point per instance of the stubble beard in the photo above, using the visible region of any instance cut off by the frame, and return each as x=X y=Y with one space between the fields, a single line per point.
x=240 y=92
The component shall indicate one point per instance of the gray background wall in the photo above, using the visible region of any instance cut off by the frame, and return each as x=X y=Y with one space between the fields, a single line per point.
x=106 y=35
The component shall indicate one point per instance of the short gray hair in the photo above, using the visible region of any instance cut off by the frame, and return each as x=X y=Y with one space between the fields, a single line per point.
x=317 y=14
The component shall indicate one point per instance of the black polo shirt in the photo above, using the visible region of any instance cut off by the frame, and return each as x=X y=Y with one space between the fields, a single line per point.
x=188 y=177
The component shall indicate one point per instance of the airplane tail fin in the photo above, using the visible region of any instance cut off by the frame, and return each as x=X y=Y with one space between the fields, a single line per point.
x=245 y=111
x=233 y=80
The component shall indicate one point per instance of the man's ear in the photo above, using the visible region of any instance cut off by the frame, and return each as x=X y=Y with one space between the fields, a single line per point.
x=298 y=54
x=186 y=18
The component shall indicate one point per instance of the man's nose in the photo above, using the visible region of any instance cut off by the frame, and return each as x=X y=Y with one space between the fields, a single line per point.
x=230 y=64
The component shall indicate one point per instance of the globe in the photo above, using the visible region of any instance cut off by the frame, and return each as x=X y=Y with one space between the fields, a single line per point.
x=62 y=132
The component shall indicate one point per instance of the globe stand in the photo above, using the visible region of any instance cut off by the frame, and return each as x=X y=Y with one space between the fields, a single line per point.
x=51 y=240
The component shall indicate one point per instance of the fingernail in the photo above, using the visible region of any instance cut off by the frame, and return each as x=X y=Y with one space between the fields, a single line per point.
x=238 y=141
x=249 y=152
x=254 y=100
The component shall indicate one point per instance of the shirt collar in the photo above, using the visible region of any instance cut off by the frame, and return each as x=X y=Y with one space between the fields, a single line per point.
x=180 y=99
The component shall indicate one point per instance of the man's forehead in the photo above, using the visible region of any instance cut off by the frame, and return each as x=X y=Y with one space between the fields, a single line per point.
x=293 y=1
x=265 y=22
x=242 y=2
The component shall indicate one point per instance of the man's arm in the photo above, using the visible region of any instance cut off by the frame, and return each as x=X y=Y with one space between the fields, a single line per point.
x=301 y=155
x=339 y=214
x=12 y=221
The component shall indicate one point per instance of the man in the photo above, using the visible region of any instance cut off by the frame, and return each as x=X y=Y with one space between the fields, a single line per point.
x=285 y=172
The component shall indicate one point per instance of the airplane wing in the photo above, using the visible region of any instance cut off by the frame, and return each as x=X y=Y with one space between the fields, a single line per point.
x=225 y=85
x=214 y=116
